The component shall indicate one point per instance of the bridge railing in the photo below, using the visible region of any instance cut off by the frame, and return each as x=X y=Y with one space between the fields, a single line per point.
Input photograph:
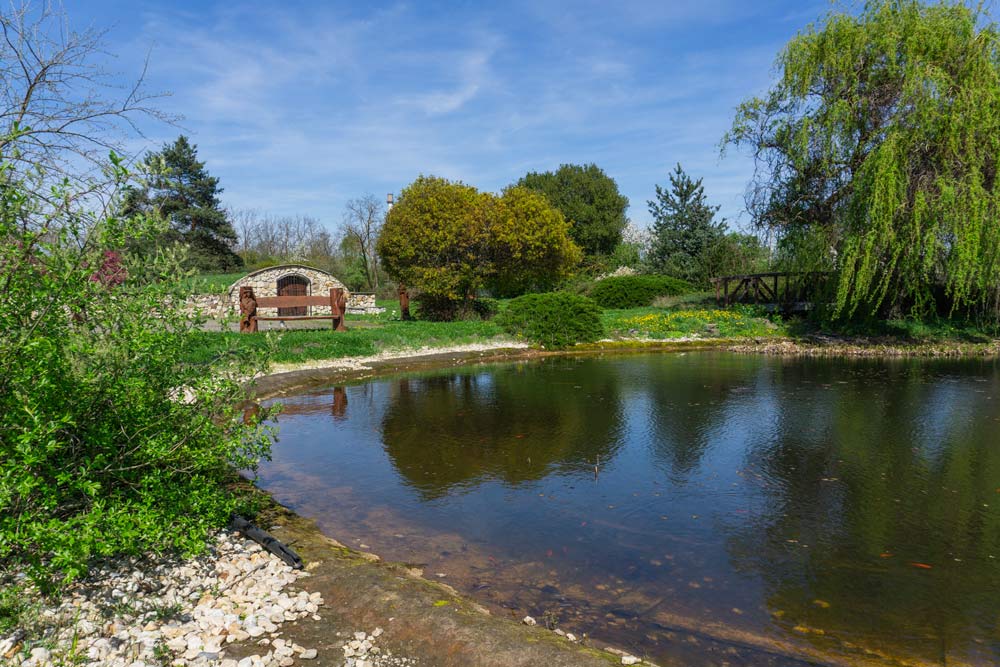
x=779 y=288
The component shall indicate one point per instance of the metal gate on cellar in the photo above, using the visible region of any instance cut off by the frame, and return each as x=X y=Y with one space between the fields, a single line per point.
x=293 y=286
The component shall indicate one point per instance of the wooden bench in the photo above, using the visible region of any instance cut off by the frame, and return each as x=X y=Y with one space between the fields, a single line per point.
x=249 y=303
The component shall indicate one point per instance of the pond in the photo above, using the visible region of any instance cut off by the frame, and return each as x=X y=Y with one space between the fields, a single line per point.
x=703 y=508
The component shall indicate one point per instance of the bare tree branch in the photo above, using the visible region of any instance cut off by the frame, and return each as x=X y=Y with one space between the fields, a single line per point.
x=61 y=112
x=363 y=220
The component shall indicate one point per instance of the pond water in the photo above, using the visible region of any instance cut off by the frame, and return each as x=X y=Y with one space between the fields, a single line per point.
x=698 y=509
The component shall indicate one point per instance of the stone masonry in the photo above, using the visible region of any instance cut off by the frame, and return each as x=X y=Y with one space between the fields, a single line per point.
x=265 y=283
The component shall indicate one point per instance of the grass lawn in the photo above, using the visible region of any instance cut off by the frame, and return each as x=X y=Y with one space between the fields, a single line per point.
x=931 y=330
x=297 y=346
x=211 y=283
x=683 y=321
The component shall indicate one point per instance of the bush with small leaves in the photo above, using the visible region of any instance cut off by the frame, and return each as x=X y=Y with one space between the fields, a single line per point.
x=636 y=291
x=555 y=320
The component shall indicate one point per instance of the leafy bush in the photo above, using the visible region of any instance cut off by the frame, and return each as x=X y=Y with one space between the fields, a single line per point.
x=555 y=320
x=110 y=443
x=636 y=291
x=448 y=240
x=486 y=308
x=441 y=309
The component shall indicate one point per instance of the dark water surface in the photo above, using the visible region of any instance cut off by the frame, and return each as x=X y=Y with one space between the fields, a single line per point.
x=744 y=510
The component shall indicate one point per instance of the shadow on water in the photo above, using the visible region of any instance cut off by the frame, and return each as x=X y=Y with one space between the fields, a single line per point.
x=700 y=509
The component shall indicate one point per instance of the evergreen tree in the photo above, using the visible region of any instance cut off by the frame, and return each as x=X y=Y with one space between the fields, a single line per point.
x=684 y=228
x=180 y=189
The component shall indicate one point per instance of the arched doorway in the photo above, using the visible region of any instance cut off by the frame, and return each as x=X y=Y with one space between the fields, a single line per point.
x=293 y=286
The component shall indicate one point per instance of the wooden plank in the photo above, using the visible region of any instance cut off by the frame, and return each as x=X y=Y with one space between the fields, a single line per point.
x=298 y=317
x=291 y=301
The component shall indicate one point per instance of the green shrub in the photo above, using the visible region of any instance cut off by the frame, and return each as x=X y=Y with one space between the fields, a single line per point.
x=636 y=291
x=555 y=320
x=110 y=442
x=435 y=308
x=486 y=308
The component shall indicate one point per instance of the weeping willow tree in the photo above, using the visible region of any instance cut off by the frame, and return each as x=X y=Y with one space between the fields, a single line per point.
x=882 y=135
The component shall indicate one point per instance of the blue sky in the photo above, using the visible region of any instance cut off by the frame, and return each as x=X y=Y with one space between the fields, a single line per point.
x=300 y=106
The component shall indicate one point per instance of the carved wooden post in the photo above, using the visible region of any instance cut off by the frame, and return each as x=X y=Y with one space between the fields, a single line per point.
x=248 y=310
x=338 y=308
x=404 y=303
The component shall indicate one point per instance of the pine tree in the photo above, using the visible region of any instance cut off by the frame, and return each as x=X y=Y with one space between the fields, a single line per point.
x=684 y=228
x=180 y=189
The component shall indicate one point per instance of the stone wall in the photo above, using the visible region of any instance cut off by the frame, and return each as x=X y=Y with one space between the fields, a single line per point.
x=265 y=283
x=212 y=306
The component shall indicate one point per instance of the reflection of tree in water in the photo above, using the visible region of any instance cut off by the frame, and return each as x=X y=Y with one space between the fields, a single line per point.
x=882 y=514
x=513 y=423
x=688 y=399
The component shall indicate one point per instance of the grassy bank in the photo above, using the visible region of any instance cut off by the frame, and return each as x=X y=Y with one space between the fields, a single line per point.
x=298 y=346
x=369 y=335
x=686 y=322
x=681 y=319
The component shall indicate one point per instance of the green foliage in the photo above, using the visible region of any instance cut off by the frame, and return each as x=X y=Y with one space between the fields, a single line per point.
x=433 y=238
x=589 y=199
x=18 y=608
x=555 y=320
x=636 y=291
x=735 y=253
x=625 y=254
x=110 y=443
x=684 y=229
x=884 y=131
x=486 y=308
x=449 y=241
x=529 y=244
x=926 y=331
x=179 y=188
x=803 y=249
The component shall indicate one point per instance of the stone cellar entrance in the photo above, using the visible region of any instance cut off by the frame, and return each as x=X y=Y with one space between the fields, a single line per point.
x=293 y=286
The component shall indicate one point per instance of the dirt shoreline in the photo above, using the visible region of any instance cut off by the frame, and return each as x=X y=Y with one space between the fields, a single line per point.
x=433 y=622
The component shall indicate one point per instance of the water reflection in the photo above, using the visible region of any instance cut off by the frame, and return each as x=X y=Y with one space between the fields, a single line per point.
x=747 y=509
x=880 y=516
x=515 y=424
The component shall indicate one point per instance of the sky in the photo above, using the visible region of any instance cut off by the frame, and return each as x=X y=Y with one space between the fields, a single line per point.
x=300 y=106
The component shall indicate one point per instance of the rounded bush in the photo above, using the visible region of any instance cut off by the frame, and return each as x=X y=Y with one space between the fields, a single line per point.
x=636 y=291
x=554 y=320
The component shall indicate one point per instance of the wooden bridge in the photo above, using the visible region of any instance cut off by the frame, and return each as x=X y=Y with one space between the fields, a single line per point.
x=787 y=291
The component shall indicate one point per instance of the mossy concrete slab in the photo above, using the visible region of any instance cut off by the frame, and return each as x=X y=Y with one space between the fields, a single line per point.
x=424 y=620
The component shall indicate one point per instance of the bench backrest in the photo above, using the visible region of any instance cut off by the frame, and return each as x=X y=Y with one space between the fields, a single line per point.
x=291 y=301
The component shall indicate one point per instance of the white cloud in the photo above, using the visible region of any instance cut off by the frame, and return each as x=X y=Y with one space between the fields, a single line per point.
x=298 y=108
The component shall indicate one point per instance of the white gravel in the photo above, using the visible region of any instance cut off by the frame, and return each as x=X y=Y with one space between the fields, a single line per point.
x=362 y=363
x=160 y=613
x=360 y=651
